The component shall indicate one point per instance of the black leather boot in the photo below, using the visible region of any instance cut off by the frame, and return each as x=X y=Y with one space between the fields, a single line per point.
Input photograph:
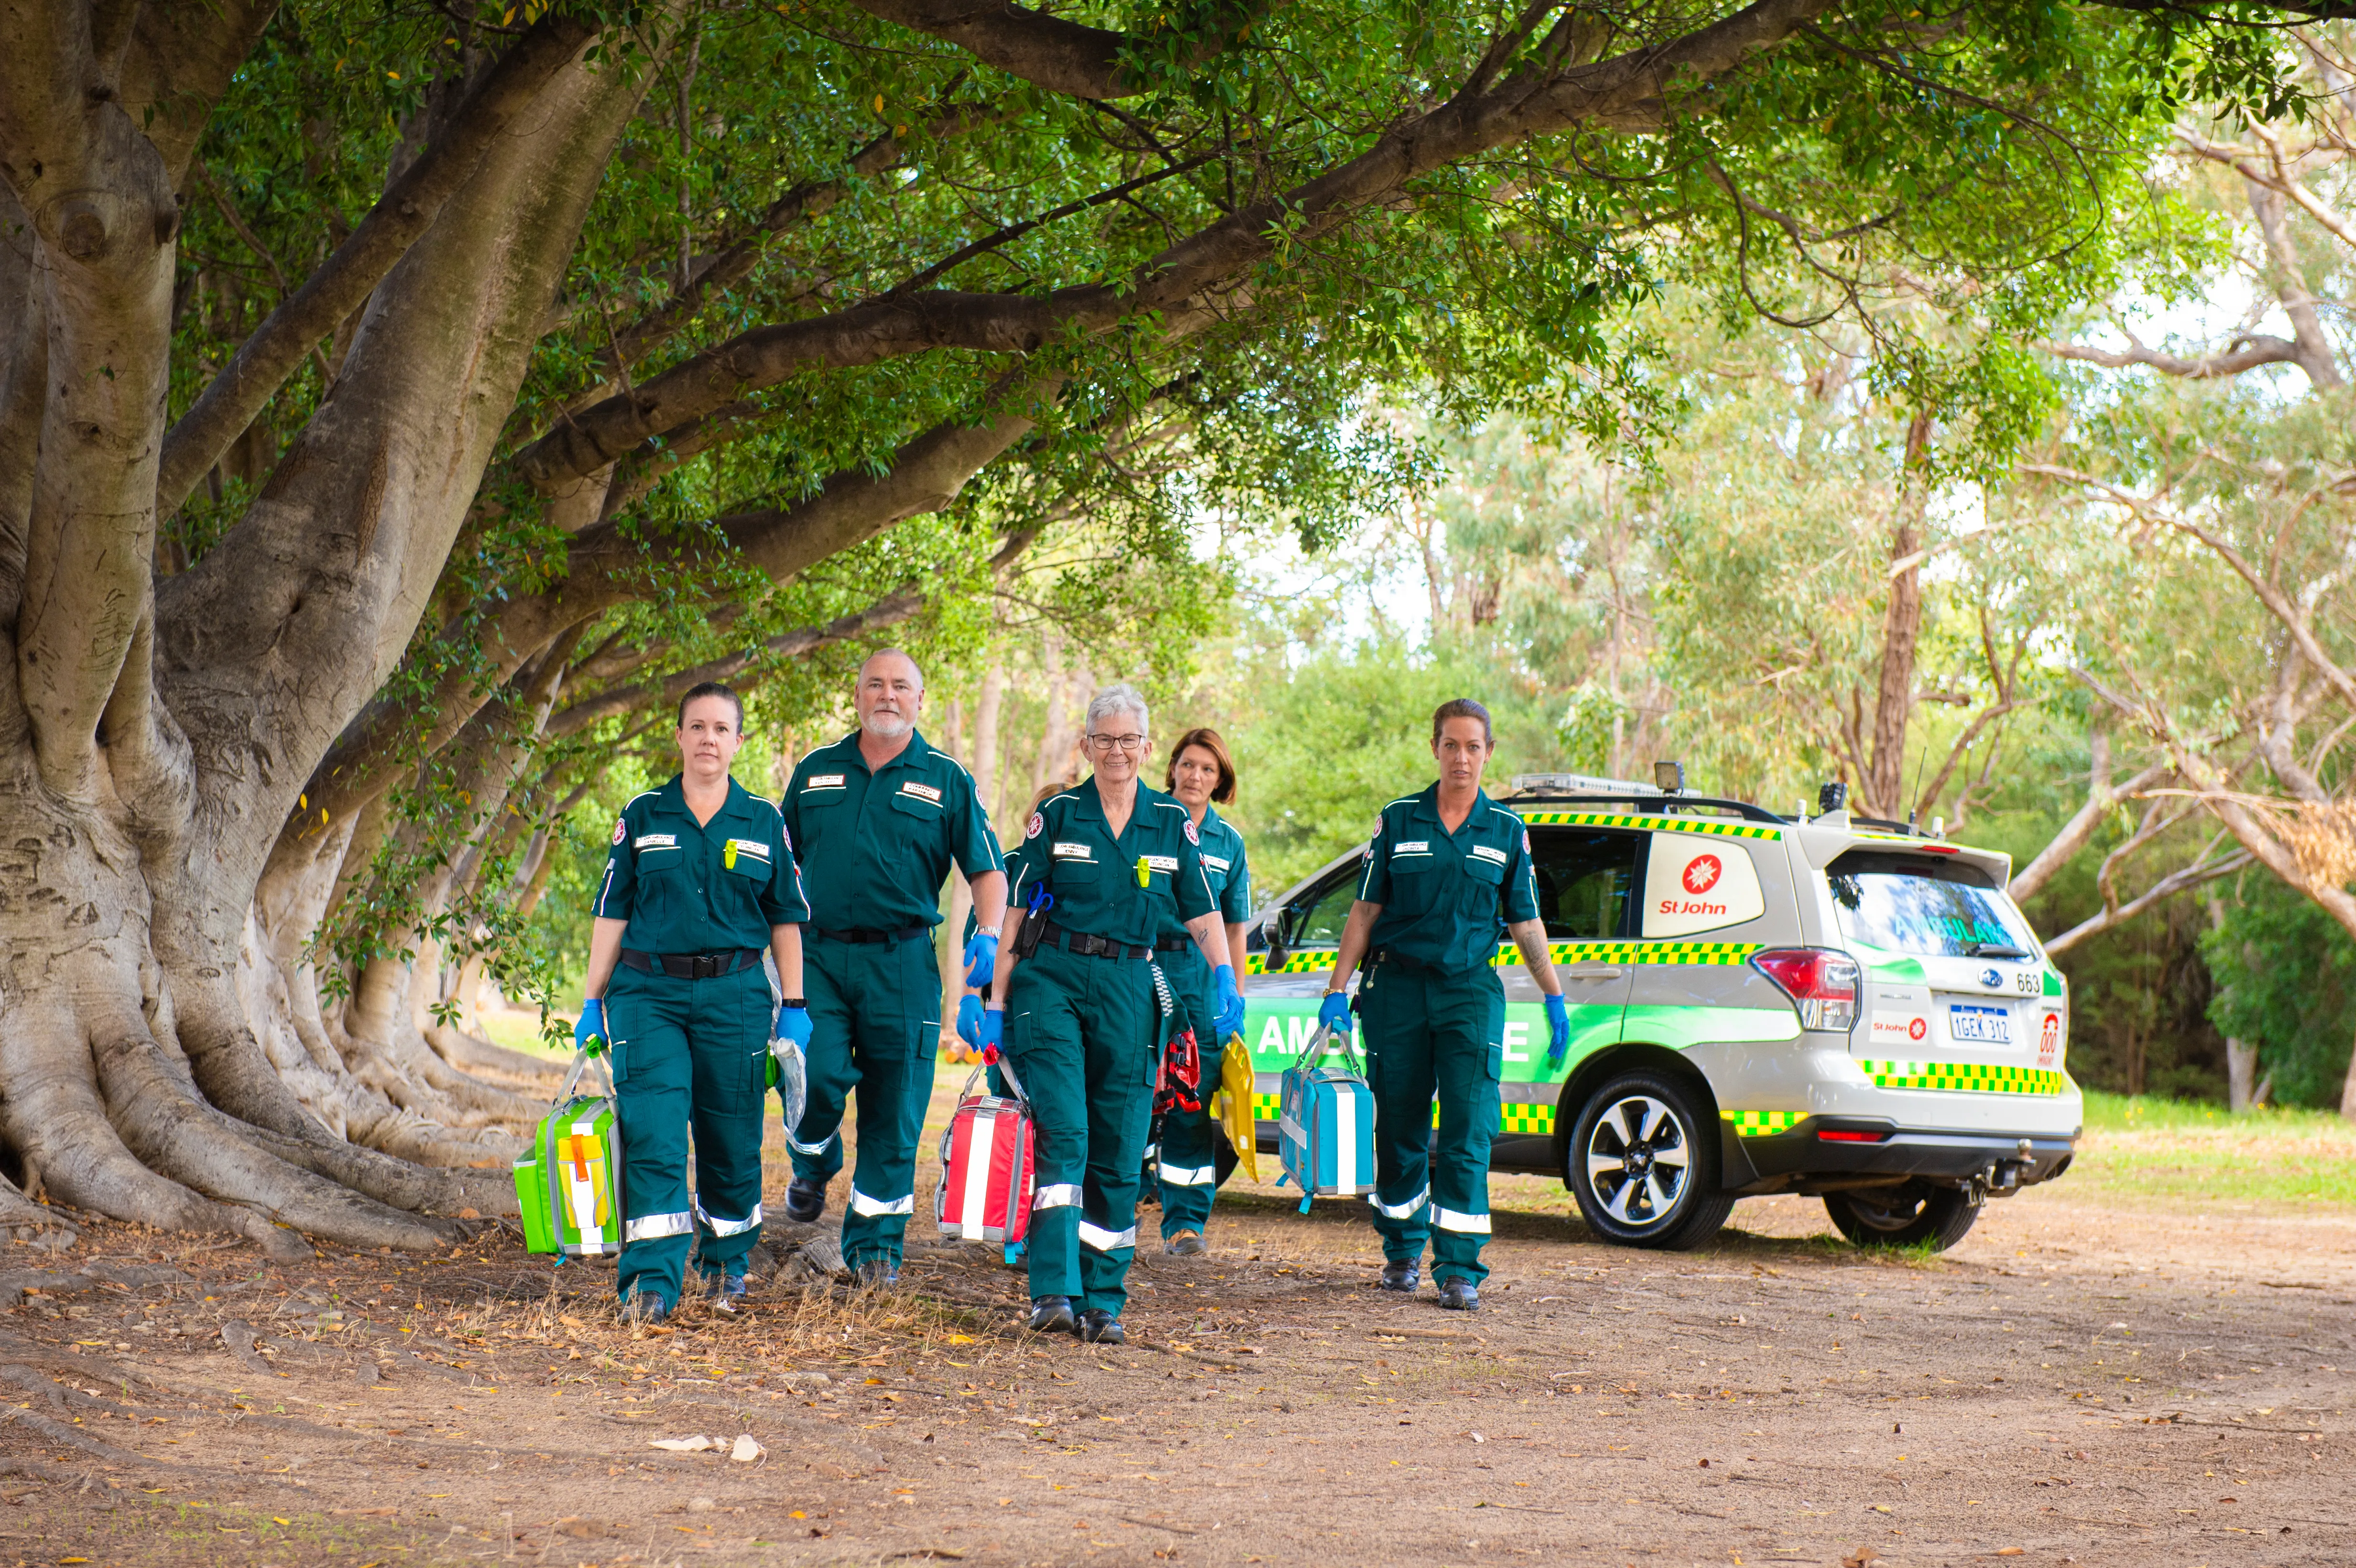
x=1099 y=1327
x=1052 y=1314
x=804 y=1200
x=1401 y=1275
x=1460 y=1296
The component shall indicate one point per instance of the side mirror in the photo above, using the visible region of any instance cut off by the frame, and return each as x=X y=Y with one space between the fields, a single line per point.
x=1273 y=929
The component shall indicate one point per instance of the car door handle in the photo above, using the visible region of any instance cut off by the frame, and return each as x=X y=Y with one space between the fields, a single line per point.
x=1591 y=971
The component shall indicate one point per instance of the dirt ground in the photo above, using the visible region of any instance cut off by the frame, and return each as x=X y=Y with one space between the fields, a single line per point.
x=2077 y=1384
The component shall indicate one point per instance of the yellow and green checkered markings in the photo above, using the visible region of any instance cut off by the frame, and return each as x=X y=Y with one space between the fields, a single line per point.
x=1513 y=1117
x=1702 y=953
x=1710 y=827
x=1526 y=1119
x=1967 y=1077
x=1761 y=1124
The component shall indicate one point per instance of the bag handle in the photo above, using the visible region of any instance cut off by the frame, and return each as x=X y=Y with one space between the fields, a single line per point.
x=573 y=1077
x=1321 y=1042
x=1004 y=1066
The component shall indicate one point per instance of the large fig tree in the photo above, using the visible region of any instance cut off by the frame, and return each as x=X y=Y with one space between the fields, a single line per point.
x=399 y=399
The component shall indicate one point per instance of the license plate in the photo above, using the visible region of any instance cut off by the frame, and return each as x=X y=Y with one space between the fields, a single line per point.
x=1988 y=1026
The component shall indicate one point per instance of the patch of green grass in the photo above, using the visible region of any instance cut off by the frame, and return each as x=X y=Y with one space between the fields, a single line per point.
x=519 y=1031
x=2140 y=1112
x=2184 y=1152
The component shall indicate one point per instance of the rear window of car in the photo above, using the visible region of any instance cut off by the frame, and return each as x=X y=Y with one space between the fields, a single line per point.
x=1930 y=908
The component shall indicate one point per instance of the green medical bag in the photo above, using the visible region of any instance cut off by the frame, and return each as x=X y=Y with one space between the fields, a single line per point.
x=569 y=1181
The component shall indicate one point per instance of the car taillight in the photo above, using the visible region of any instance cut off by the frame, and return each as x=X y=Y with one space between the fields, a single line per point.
x=1849 y=1136
x=1821 y=982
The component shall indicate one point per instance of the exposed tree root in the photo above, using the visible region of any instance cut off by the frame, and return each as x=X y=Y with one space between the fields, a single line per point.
x=163 y=1122
x=467 y=1051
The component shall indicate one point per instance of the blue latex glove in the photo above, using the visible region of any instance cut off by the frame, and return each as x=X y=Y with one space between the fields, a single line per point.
x=589 y=1031
x=993 y=1032
x=1229 y=1017
x=1558 y=1029
x=968 y=1022
x=794 y=1024
x=1334 y=1012
x=981 y=959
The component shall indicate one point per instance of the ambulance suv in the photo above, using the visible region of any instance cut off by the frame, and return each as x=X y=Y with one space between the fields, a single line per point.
x=1831 y=1006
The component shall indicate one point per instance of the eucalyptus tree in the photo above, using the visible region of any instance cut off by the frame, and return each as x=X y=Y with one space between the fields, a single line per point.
x=377 y=379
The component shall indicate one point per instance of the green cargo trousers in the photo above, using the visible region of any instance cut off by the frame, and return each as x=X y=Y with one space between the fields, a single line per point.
x=1079 y=1032
x=688 y=1052
x=875 y=1026
x=1187 y=1161
x=1429 y=1032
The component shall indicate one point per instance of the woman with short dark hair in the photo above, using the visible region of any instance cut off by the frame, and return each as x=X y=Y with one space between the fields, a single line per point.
x=1200 y=777
x=1445 y=869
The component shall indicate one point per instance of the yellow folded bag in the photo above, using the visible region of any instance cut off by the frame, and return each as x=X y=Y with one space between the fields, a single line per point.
x=1234 y=1110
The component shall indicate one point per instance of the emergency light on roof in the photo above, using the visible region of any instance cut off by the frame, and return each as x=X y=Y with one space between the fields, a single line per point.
x=1581 y=783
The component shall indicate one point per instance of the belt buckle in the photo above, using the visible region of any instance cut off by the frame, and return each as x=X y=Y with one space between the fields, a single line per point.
x=706 y=967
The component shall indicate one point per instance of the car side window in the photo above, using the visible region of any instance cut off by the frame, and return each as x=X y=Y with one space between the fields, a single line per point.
x=1585 y=876
x=1322 y=914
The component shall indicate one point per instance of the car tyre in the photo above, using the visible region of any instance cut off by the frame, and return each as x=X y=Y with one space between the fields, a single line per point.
x=1643 y=1164
x=1907 y=1215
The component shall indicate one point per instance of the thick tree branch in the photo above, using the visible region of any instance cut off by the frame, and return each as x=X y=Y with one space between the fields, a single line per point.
x=1626 y=93
x=180 y=59
x=1062 y=56
x=2247 y=352
x=2183 y=879
x=346 y=278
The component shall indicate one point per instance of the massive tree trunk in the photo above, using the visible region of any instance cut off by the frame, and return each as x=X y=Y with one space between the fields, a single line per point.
x=156 y=1064
x=1901 y=632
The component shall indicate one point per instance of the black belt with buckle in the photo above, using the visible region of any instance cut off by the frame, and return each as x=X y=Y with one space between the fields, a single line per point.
x=1393 y=956
x=692 y=965
x=1088 y=947
x=860 y=935
x=1173 y=945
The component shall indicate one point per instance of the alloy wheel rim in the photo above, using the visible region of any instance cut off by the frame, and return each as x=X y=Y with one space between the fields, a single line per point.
x=1639 y=1159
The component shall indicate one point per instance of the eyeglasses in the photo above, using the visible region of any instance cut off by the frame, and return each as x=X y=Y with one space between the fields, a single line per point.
x=1132 y=744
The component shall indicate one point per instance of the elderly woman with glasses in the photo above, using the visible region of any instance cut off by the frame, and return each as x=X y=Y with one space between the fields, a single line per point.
x=1106 y=865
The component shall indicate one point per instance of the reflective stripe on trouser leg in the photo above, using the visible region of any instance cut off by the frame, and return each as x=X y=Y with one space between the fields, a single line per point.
x=814 y=1152
x=1406 y=1210
x=1463 y=1225
x=1399 y=1072
x=652 y=1227
x=1095 y=1238
x=720 y=1227
x=1187 y=1163
x=1060 y=1195
x=895 y=1033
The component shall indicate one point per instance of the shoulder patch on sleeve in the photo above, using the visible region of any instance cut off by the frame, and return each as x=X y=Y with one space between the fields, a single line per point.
x=621 y=830
x=1038 y=824
x=1525 y=840
x=1193 y=836
x=787 y=836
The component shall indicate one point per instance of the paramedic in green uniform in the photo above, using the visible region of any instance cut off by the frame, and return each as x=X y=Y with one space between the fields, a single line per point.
x=1079 y=1018
x=877 y=818
x=1200 y=773
x=701 y=879
x=1445 y=869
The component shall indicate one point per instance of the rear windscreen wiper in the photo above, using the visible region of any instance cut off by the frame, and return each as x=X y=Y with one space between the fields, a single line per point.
x=1993 y=950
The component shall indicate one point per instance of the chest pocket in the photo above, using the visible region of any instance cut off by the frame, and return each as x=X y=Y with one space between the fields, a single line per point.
x=917 y=805
x=746 y=859
x=1413 y=877
x=1073 y=872
x=655 y=860
x=1488 y=873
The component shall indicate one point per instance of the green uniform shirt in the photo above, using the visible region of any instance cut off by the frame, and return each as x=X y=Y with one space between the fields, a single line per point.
x=1094 y=876
x=877 y=846
x=1224 y=868
x=1445 y=894
x=712 y=887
